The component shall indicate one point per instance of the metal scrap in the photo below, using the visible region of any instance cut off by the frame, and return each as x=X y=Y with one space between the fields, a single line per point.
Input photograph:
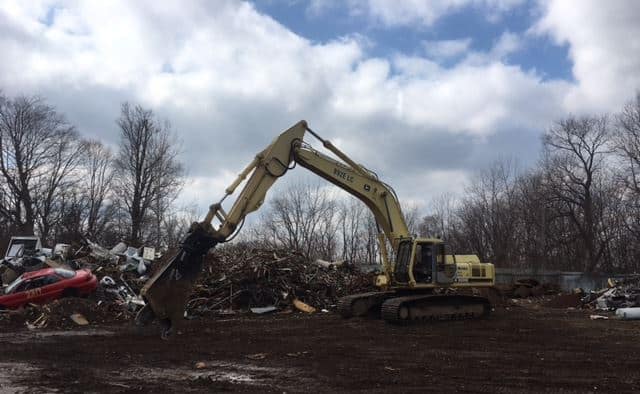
x=121 y=293
x=40 y=322
x=621 y=294
x=628 y=313
x=262 y=310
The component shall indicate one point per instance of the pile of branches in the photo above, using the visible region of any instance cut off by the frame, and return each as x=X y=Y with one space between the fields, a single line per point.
x=244 y=276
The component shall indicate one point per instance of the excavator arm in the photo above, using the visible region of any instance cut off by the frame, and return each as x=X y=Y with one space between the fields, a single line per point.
x=167 y=291
x=287 y=149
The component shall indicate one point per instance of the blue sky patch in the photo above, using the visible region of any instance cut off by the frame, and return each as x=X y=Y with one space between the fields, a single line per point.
x=50 y=17
x=537 y=53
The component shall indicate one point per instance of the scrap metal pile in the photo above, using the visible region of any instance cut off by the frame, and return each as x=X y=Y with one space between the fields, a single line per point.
x=121 y=271
x=262 y=279
x=620 y=294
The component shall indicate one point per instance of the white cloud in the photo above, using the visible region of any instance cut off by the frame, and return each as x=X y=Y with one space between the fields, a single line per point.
x=445 y=49
x=604 y=45
x=411 y=11
x=207 y=189
x=450 y=182
x=230 y=78
x=479 y=99
x=317 y=8
x=424 y=13
x=507 y=43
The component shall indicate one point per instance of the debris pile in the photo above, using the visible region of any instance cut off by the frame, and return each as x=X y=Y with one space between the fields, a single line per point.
x=122 y=271
x=136 y=262
x=620 y=294
x=120 y=293
x=242 y=277
x=24 y=254
x=66 y=313
x=235 y=278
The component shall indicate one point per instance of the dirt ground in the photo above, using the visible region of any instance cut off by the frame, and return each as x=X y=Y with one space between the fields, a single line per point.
x=521 y=349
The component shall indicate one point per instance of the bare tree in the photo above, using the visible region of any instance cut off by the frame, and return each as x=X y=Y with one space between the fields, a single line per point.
x=60 y=176
x=372 y=253
x=148 y=170
x=176 y=224
x=304 y=218
x=575 y=153
x=33 y=152
x=487 y=214
x=533 y=215
x=411 y=217
x=358 y=231
x=96 y=185
x=440 y=220
x=70 y=207
x=627 y=143
x=350 y=217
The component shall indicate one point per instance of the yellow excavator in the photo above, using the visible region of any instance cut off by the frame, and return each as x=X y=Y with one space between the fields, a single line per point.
x=414 y=285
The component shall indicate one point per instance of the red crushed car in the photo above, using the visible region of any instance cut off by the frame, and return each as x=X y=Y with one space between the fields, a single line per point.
x=46 y=285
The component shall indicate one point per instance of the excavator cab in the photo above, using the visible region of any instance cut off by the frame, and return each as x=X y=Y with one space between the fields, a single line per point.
x=423 y=262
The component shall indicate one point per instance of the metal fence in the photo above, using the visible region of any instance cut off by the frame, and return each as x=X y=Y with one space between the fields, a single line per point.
x=565 y=280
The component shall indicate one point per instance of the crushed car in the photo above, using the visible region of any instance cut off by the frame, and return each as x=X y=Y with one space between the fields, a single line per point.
x=46 y=285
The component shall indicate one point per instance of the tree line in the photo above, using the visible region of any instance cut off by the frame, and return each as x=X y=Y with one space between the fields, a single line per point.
x=577 y=208
x=62 y=186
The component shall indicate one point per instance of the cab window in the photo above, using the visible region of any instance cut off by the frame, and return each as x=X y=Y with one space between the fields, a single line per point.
x=50 y=279
x=401 y=271
x=404 y=253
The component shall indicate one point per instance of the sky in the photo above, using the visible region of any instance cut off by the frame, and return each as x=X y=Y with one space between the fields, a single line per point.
x=425 y=93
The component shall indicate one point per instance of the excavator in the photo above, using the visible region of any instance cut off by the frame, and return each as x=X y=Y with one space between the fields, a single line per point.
x=418 y=280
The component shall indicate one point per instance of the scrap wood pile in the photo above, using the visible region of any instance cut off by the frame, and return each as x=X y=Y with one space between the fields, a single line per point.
x=242 y=277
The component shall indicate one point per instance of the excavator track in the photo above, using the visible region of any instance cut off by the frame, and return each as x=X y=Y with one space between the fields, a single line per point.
x=362 y=304
x=408 y=309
